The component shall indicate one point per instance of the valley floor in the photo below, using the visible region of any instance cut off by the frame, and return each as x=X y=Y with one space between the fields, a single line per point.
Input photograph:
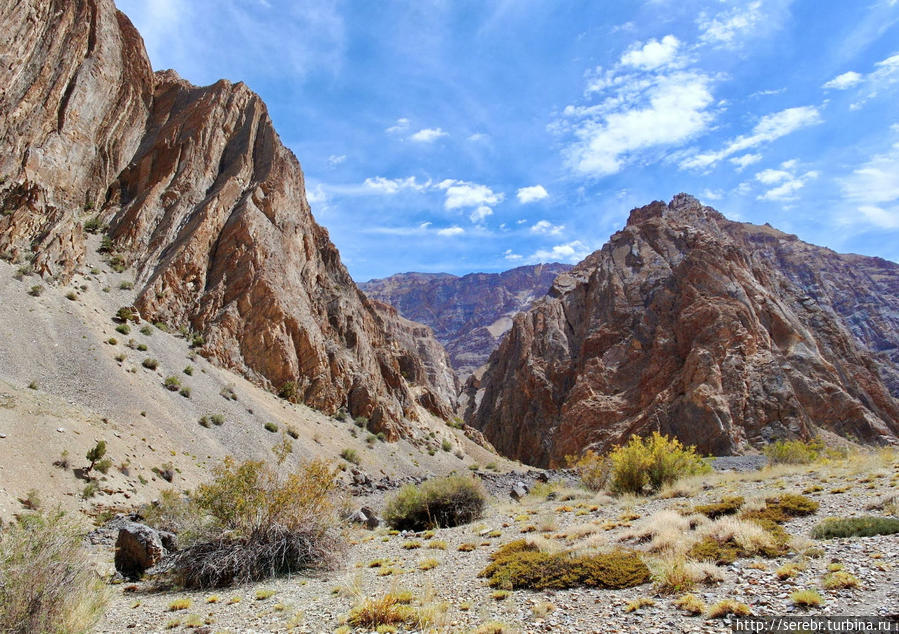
x=450 y=593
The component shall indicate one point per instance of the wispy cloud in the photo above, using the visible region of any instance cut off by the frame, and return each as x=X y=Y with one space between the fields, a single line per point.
x=884 y=76
x=428 y=135
x=844 y=81
x=873 y=188
x=569 y=252
x=389 y=186
x=745 y=160
x=783 y=183
x=402 y=125
x=451 y=231
x=769 y=128
x=729 y=28
x=545 y=227
x=531 y=194
x=336 y=159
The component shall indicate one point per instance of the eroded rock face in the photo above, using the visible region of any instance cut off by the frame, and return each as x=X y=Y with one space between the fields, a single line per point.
x=200 y=196
x=721 y=333
x=469 y=314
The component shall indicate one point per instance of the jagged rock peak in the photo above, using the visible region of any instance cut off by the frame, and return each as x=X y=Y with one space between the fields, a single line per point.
x=200 y=197
x=724 y=334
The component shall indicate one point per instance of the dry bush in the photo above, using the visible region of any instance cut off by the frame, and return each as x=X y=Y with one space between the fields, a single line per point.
x=794 y=451
x=651 y=463
x=257 y=523
x=46 y=584
x=441 y=502
x=666 y=531
x=593 y=469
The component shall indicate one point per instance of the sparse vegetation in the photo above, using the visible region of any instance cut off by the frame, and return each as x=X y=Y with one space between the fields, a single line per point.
x=258 y=523
x=520 y=564
x=46 y=582
x=806 y=598
x=691 y=604
x=839 y=580
x=172 y=383
x=794 y=451
x=123 y=329
x=189 y=370
x=867 y=526
x=350 y=455
x=217 y=420
x=289 y=391
x=726 y=607
x=651 y=463
x=593 y=469
x=125 y=285
x=271 y=427
x=150 y=364
x=439 y=502
x=36 y=291
x=95 y=453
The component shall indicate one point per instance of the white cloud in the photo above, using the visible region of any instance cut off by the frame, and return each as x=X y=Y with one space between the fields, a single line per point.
x=334 y=160
x=709 y=194
x=783 y=183
x=545 y=227
x=316 y=195
x=844 y=81
x=728 y=27
x=390 y=186
x=653 y=54
x=428 y=135
x=769 y=128
x=531 y=194
x=642 y=112
x=570 y=252
x=521 y=221
x=479 y=214
x=478 y=136
x=462 y=194
x=451 y=231
x=874 y=188
x=745 y=160
x=884 y=75
x=512 y=257
x=401 y=125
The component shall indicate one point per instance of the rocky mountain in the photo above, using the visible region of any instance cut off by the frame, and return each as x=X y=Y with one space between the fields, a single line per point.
x=722 y=333
x=200 y=197
x=469 y=314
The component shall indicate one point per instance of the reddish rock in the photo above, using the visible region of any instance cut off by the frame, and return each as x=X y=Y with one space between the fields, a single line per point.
x=201 y=198
x=721 y=333
x=469 y=314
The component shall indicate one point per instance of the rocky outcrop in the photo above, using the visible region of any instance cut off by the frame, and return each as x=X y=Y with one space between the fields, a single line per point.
x=422 y=360
x=469 y=314
x=721 y=333
x=139 y=547
x=200 y=197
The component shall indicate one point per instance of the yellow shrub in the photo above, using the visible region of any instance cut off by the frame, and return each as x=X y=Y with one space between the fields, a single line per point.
x=652 y=462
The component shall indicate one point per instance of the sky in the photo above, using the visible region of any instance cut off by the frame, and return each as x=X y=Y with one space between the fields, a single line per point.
x=476 y=135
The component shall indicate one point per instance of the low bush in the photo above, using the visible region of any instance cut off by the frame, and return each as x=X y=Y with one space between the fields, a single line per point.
x=289 y=391
x=794 y=451
x=440 y=502
x=390 y=609
x=257 y=523
x=46 y=582
x=272 y=427
x=867 y=526
x=727 y=506
x=520 y=564
x=172 y=383
x=650 y=463
x=150 y=364
x=594 y=470
x=350 y=455
x=806 y=598
x=36 y=291
x=726 y=607
x=691 y=604
x=839 y=580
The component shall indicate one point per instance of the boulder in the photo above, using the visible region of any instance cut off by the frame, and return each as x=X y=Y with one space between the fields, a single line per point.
x=519 y=490
x=139 y=548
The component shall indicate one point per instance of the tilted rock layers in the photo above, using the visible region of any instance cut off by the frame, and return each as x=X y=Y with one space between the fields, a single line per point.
x=721 y=333
x=200 y=196
x=469 y=314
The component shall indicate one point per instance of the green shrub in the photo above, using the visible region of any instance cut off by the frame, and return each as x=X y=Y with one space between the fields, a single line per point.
x=150 y=364
x=103 y=466
x=217 y=419
x=185 y=392
x=146 y=331
x=95 y=453
x=125 y=285
x=124 y=314
x=350 y=455
x=867 y=526
x=289 y=391
x=204 y=421
x=794 y=451
x=172 y=383
x=652 y=463
x=440 y=502
x=123 y=329
x=197 y=341
x=142 y=347
x=446 y=445
x=36 y=291
x=46 y=580
x=727 y=506
x=272 y=427
x=258 y=523
x=94 y=225
x=189 y=370
x=522 y=565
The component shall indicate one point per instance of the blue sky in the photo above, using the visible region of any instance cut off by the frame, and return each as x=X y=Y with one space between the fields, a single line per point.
x=465 y=136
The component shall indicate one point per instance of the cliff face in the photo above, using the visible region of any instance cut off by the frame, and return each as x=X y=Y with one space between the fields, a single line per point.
x=469 y=314
x=721 y=333
x=200 y=197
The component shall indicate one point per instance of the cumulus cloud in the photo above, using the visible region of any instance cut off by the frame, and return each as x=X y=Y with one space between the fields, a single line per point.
x=844 y=81
x=545 y=227
x=570 y=252
x=531 y=194
x=462 y=194
x=428 y=135
x=512 y=257
x=783 y=183
x=653 y=54
x=451 y=231
x=390 y=186
x=479 y=214
x=769 y=128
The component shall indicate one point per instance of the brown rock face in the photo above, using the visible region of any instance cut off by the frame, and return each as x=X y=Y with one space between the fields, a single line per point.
x=721 y=333
x=200 y=197
x=469 y=314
